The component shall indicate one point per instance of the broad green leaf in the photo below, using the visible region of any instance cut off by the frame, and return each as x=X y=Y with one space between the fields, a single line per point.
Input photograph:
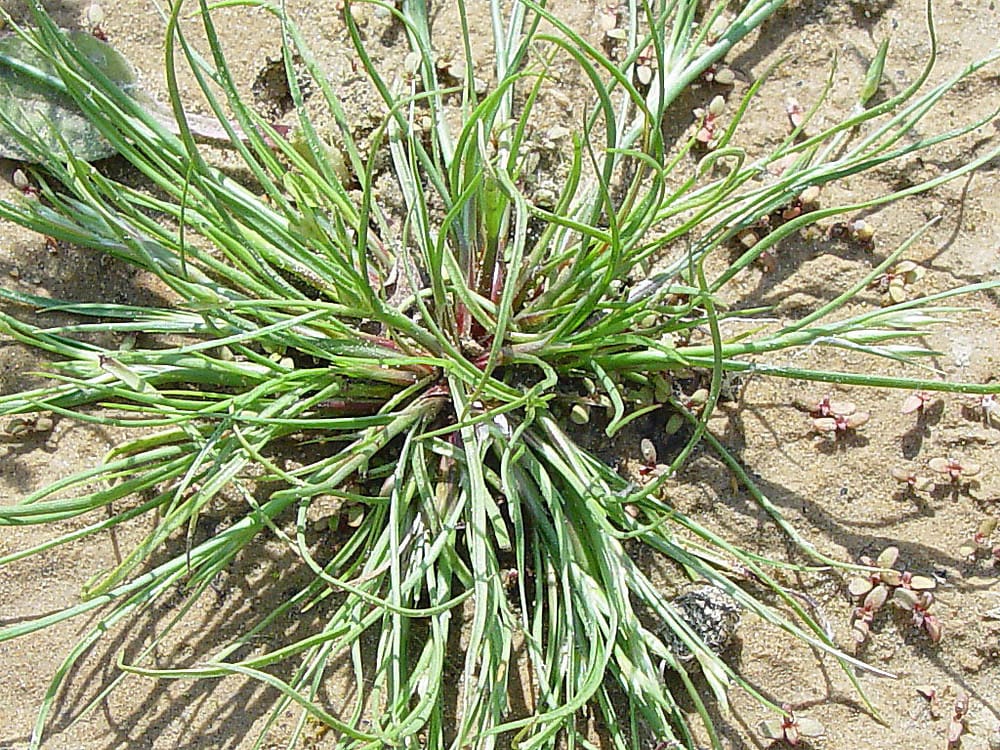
x=34 y=106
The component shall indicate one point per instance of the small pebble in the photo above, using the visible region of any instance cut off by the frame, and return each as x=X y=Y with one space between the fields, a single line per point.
x=711 y=613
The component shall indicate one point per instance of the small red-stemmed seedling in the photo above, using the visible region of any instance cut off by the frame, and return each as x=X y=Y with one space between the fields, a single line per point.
x=918 y=401
x=509 y=578
x=747 y=237
x=835 y=417
x=579 y=413
x=860 y=231
x=979 y=544
x=956 y=724
x=645 y=66
x=790 y=728
x=826 y=407
x=648 y=452
x=952 y=468
x=894 y=284
x=919 y=603
x=985 y=408
x=842 y=423
x=908 y=580
x=649 y=467
x=892 y=577
x=913 y=481
x=354 y=515
x=865 y=614
x=956 y=727
x=750 y=236
x=22 y=183
x=861 y=585
x=95 y=17
x=875 y=589
x=706 y=134
x=984 y=531
x=695 y=403
x=720 y=74
x=806 y=201
x=23 y=426
x=796 y=113
x=928 y=693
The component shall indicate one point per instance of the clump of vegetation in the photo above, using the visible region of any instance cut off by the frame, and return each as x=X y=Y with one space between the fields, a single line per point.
x=429 y=363
x=907 y=590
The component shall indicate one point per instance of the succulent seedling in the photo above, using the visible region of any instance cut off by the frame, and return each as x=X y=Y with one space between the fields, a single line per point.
x=985 y=408
x=579 y=414
x=719 y=74
x=911 y=582
x=95 y=17
x=888 y=575
x=607 y=18
x=980 y=541
x=873 y=592
x=875 y=589
x=354 y=514
x=894 y=284
x=648 y=451
x=790 y=728
x=865 y=614
x=834 y=418
x=22 y=183
x=695 y=403
x=509 y=578
x=649 y=465
x=953 y=469
x=21 y=427
x=747 y=237
x=859 y=231
x=916 y=402
x=860 y=586
x=826 y=407
x=709 y=116
x=956 y=727
x=804 y=202
x=796 y=113
x=838 y=424
x=809 y=198
x=615 y=36
x=919 y=603
x=929 y=693
x=913 y=481
x=645 y=66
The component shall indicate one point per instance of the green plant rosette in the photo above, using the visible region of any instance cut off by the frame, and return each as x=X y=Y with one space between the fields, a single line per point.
x=425 y=358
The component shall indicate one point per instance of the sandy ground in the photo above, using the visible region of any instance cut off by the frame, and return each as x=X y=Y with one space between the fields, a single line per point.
x=839 y=494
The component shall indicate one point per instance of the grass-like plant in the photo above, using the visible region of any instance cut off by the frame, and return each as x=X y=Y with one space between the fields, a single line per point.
x=426 y=358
